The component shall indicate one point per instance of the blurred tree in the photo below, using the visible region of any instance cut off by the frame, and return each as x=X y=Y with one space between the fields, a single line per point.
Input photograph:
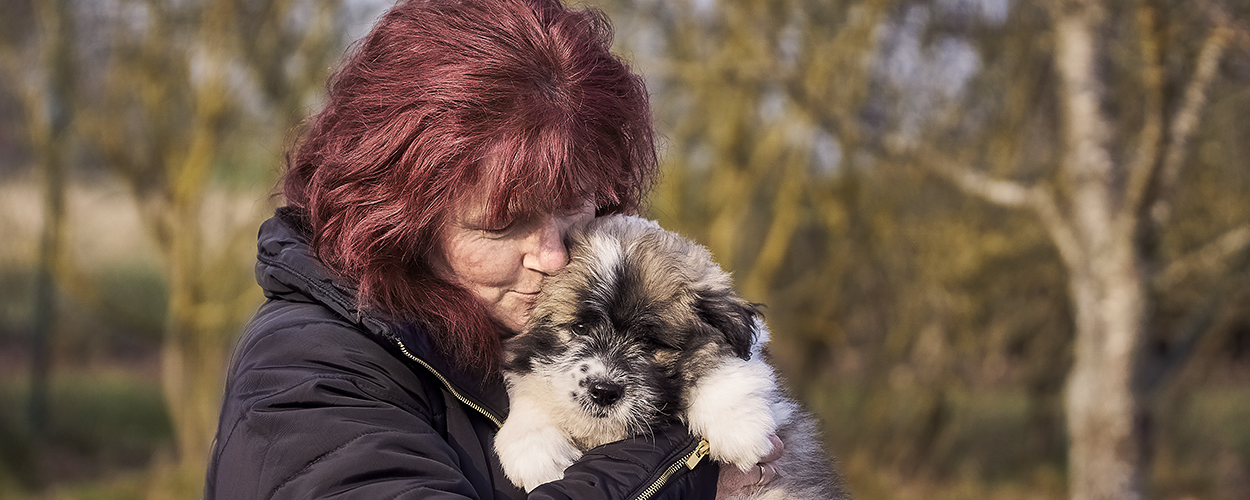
x=768 y=109
x=47 y=94
x=184 y=82
x=1105 y=209
x=799 y=134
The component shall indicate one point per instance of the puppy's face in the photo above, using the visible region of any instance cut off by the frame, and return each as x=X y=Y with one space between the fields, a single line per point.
x=627 y=326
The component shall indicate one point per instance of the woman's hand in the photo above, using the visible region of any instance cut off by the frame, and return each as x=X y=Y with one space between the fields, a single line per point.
x=735 y=483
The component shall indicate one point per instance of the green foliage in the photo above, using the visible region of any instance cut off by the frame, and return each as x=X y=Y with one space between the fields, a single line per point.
x=15 y=303
x=100 y=424
x=985 y=450
x=135 y=294
x=116 y=311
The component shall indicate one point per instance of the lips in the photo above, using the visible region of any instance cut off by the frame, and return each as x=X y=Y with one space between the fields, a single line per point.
x=527 y=294
x=527 y=298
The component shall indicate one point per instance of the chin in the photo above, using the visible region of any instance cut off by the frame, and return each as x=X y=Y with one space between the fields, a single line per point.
x=513 y=317
x=641 y=329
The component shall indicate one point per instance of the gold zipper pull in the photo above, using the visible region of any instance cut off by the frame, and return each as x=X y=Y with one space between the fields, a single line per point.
x=697 y=455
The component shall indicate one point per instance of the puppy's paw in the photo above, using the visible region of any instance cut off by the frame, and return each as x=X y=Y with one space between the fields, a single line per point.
x=732 y=408
x=544 y=462
x=533 y=454
x=741 y=446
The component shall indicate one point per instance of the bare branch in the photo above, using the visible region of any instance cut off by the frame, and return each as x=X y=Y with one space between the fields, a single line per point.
x=1233 y=246
x=1142 y=168
x=1202 y=320
x=786 y=218
x=1186 y=121
x=1214 y=254
x=1061 y=231
x=1037 y=198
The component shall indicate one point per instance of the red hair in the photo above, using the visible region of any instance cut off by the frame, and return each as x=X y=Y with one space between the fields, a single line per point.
x=518 y=97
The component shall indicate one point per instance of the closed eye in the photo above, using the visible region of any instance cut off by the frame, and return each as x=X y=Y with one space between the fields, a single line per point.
x=496 y=230
x=500 y=231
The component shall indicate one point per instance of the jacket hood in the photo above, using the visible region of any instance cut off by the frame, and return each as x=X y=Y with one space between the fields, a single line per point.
x=287 y=269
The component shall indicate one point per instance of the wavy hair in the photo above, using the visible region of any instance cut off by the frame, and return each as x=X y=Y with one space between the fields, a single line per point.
x=521 y=98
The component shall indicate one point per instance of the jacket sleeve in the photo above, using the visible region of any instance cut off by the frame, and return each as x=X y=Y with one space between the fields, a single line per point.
x=651 y=467
x=297 y=423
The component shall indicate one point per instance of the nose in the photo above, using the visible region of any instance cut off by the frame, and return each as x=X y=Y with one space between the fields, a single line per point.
x=606 y=393
x=547 y=252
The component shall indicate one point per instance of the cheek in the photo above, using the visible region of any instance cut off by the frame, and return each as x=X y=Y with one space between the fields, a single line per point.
x=479 y=262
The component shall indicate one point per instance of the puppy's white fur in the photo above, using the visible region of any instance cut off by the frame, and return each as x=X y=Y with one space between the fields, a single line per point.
x=536 y=450
x=734 y=403
x=732 y=408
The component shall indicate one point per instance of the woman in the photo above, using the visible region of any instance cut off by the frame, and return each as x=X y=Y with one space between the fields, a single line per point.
x=461 y=141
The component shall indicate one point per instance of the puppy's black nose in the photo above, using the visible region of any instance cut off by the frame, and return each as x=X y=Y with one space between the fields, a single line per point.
x=605 y=393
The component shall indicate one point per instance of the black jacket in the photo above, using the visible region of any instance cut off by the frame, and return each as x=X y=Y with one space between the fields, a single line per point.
x=323 y=400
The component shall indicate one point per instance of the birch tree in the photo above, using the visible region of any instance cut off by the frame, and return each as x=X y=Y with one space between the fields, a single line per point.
x=1105 y=212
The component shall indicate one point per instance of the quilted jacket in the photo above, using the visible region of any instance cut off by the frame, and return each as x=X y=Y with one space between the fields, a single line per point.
x=325 y=400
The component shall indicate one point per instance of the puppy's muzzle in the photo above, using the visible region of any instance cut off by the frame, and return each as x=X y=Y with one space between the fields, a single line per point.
x=605 y=393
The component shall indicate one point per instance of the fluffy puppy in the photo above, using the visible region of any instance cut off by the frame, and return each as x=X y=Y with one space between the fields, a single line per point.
x=642 y=327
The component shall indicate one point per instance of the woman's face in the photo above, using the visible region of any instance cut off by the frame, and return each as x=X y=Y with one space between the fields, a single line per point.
x=504 y=266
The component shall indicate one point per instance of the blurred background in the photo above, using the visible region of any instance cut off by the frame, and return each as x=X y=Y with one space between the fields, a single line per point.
x=968 y=220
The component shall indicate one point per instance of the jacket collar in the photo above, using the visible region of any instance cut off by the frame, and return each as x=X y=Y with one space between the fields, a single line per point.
x=287 y=269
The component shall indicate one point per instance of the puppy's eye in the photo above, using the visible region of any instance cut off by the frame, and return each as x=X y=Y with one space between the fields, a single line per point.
x=580 y=328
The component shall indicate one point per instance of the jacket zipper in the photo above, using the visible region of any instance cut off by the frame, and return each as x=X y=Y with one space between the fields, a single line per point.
x=333 y=295
x=689 y=461
x=448 y=385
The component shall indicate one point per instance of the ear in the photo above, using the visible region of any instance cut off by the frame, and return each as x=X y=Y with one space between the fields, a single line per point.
x=732 y=317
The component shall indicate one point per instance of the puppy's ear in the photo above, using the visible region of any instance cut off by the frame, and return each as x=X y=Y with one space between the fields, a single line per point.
x=732 y=317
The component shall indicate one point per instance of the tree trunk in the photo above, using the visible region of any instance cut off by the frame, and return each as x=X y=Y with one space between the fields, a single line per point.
x=1104 y=216
x=193 y=352
x=51 y=107
x=180 y=380
x=1106 y=459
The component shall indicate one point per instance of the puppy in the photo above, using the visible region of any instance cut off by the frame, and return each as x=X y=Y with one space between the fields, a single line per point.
x=642 y=327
